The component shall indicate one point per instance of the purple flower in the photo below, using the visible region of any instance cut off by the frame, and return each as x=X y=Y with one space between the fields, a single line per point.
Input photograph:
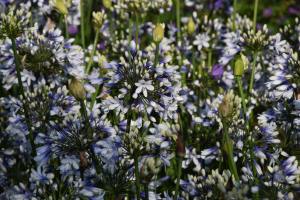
x=268 y=12
x=72 y=29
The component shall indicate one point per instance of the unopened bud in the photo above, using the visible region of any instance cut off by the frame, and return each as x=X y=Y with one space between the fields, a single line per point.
x=106 y=3
x=61 y=6
x=158 y=33
x=77 y=90
x=240 y=65
x=224 y=108
x=191 y=26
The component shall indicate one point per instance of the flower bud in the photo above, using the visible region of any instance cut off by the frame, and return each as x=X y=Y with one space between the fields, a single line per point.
x=106 y=3
x=77 y=90
x=83 y=162
x=191 y=26
x=158 y=33
x=241 y=64
x=61 y=6
x=98 y=19
x=180 y=148
x=224 y=109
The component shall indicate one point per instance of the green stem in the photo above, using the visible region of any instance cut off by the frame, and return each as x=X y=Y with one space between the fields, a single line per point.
x=194 y=63
x=87 y=71
x=178 y=18
x=60 y=21
x=252 y=77
x=136 y=28
x=220 y=161
x=22 y=92
x=230 y=153
x=110 y=24
x=88 y=19
x=82 y=25
x=264 y=68
x=83 y=110
x=254 y=16
x=94 y=97
x=239 y=82
x=256 y=183
x=209 y=58
x=66 y=28
x=178 y=177
x=137 y=177
x=31 y=17
x=146 y=191
x=156 y=53
x=234 y=15
x=129 y=39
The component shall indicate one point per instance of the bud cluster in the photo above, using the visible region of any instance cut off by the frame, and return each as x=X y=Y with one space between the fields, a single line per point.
x=150 y=169
x=98 y=20
x=13 y=25
x=134 y=143
x=230 y=106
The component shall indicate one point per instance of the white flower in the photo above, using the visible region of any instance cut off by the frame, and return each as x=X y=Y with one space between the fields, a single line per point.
x=26 y=75
x=201 y=40
x=143 y=85
x=278 y=43
x=72 y=160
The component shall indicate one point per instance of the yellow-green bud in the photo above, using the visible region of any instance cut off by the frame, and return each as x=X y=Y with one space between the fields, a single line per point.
x=106 y=3
x=238 y=67
x=241 y=64
x=77 y=90
x=158 y=33
x=224 y=109
x=191 y=26
x=61 y=6
x=98 y=19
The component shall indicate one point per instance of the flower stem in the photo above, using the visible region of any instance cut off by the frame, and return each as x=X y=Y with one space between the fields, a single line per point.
x=254 y=16
x=178 y=18
x=129 y=39
x=66 y=28
x=60 y=21
x=178 y=176
x=31 y=17
x=136 y=28
x=83 y=110
x=146 y=191
x=22 y=92
x=88 y=18
x=209 y=58
x=234 y=15
x=87 y=71
x=256 y=183
x=230 y=153
x=194 y=64
x=264 y=68
x=82 y=25
x=252 y=77
x=111 y=24
x=137 y=177
x=220 y=161
x=239 y=82
x=156 y=53
x=94 y=97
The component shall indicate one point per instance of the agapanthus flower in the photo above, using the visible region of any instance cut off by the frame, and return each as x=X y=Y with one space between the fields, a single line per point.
x=151 y=87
